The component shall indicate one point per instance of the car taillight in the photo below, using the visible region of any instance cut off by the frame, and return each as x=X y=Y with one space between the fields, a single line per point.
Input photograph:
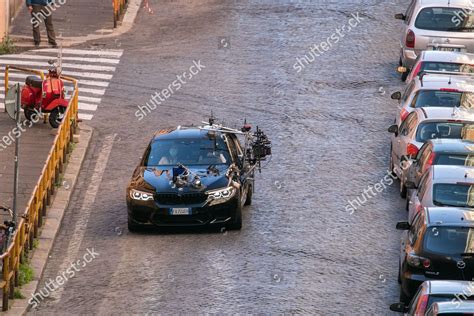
x=403 y=114
x=410 y=39
x=449 y=90
x=412 y=150
x=418 y=262
x=422 y=305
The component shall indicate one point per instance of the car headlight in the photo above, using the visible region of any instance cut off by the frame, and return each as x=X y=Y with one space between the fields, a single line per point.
x=221 y=194
x=140 y=195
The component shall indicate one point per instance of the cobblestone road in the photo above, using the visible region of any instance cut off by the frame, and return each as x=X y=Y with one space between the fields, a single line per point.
x=300 y=250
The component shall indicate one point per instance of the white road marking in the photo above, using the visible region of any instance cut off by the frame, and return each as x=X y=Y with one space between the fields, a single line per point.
x=83 y=59
x=87 y=106
x=72 y=252
x=89 y=99
x=85 y=117
x=109 y=53
x=64 y=65
x=104 y=84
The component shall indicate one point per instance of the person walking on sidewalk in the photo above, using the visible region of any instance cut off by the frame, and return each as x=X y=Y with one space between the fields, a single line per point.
x=40 y=11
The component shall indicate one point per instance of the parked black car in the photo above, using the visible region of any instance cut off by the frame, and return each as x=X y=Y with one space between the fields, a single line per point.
x=194 y=176
x=438 y=245
x=447 y=152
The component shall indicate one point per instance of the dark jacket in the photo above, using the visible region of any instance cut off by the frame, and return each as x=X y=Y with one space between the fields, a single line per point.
x=38 y=2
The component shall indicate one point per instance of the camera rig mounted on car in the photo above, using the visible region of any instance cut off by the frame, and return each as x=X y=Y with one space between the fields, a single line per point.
x=257 y=148
x=257 y=145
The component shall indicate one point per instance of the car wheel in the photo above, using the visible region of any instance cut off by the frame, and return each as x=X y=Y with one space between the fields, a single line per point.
x=403 y=297
x=407 y=205
x=132 y=226
x=236 y=223
x=392 y=167
x=404 y=75
x=248 y=200
x=403 y=189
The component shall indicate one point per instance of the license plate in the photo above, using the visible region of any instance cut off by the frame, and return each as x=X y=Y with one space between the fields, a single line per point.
x=180 y=211
x=447 y=49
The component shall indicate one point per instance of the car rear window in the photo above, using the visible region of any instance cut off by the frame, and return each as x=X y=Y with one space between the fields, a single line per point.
x=445 y=19
x=449 y=240
x=454 y=160
x=434 y=130
x=451 y=67
x=452 y=194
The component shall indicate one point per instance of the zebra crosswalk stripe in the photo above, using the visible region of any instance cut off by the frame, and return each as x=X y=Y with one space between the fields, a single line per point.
x=93 y=69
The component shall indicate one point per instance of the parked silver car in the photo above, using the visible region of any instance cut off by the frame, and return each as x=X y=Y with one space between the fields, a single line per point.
x=436 y=25
x=436 y=60
x=436 y=90
x=443 y=186
x=451 y=309
x=422 y=125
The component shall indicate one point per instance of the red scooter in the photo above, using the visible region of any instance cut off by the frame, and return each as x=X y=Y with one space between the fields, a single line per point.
x=45 y=96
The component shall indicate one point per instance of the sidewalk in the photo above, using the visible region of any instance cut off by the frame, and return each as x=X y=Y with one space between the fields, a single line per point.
x=35 y=144
x=72 y=20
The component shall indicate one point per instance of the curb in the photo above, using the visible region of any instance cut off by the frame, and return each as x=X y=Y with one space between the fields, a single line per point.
x=53 y=220
x=125 y=25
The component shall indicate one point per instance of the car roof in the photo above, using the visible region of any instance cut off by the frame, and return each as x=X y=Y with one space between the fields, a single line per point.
x=443 y=113
x=450 y=216
x=447 y=3
x=182 y=133
x=454 y=173
x=449 y=307
x=447 y=57
x=448 y=145
x=437 y=81
x=448 y=287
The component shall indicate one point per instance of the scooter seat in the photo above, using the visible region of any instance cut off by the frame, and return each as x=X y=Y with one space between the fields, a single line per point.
x=34 y=81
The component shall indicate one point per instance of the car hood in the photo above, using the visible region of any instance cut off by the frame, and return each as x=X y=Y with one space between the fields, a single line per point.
x=160 y=179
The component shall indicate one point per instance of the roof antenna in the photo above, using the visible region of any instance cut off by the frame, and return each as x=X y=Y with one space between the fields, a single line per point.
x=212 y=119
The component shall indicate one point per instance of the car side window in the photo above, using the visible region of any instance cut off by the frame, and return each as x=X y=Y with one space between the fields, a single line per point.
x=412 y=124
x=415 y=229
x=232 y=149
x=422 y=186
x=408 y=91
x=405 y=124
x=424 y=158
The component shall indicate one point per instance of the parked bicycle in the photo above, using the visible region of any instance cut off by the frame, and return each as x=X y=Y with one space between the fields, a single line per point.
x=6 y=229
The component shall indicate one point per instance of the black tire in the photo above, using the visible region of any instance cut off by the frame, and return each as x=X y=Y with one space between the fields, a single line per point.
x=248 y=200
x=132 y=226
x=399 y=277
x=403 y=297
x=403 y=190
x=29 y=114
x=236 y=223
x=391 y=165
x=56 y=116
x=407 y=205
x=404 y=75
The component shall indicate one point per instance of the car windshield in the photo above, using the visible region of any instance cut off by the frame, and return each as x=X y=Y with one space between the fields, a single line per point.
x=199 y=151
x=453 y=194
x=439 y=98
x=449 y=240
x=454 y=160
x=433 y=130
x=445 y=19
x=451 y=67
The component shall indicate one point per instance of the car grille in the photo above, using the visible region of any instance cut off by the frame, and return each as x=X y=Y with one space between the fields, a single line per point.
x=177 y=199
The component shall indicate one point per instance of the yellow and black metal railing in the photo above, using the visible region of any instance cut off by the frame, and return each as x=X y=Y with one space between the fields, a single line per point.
x=32 y=218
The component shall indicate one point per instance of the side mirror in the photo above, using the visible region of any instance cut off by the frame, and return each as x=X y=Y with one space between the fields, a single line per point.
x=400 y=16
x=399 y=307
x=393 y=129
x=396 y=95
x=402 y=69
x=410 y=185
x=403 y=226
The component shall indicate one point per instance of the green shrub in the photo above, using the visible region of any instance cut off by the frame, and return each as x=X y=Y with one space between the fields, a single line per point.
x=7 y=46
